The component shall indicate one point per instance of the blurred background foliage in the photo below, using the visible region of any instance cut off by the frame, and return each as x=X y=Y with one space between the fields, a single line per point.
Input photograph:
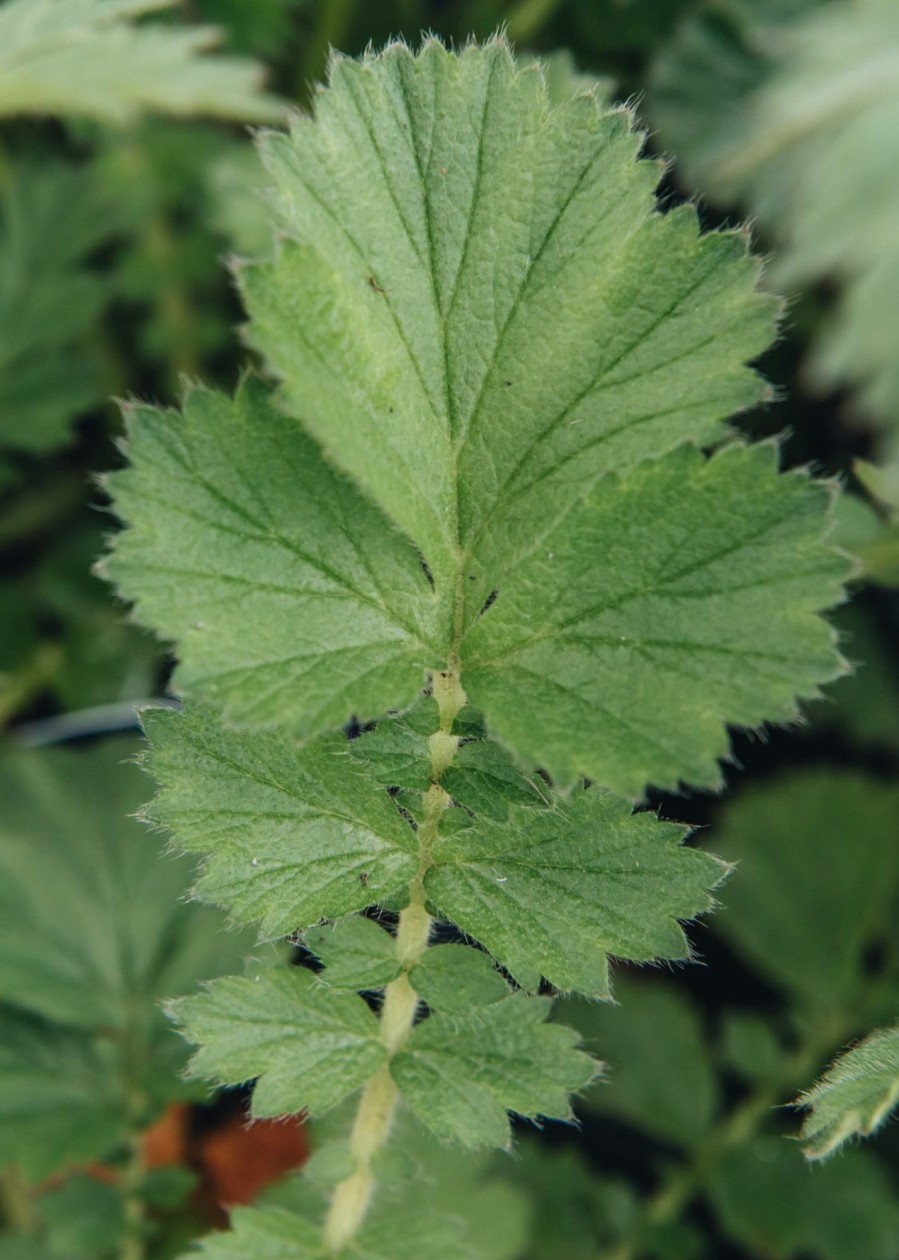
x=127 y=179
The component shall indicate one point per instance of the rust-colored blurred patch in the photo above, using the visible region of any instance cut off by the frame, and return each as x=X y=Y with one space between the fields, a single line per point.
x=234 y=1160
x=240 y=1160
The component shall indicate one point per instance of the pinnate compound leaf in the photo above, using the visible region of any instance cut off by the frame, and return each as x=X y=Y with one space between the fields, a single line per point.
x=291 y=835
x=87 y=58
x=291 y=598
x=309 y=1046
x=475 y=307
x=810 y=935
x=554 y=892
x=357 y=953
x=703 y=610
x=477 y=313
x=461 y=1076
x=854 y=1096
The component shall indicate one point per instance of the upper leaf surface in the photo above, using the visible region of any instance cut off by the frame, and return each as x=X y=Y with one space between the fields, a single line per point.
x=854 y=1096
x=475 y=308
x=310 y=1046
x=462 y=1076
x=292 y=836
x=667 y=602
x=553 y=892
x=85 y=57
x=291 y=597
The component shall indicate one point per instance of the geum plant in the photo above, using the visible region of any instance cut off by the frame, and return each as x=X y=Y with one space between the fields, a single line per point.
x=478 y=514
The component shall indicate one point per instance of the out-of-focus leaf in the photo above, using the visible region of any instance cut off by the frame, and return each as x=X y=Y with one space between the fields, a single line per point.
x=62 y=1097
x=52 y=218
x=83 y=1218
x=658 y=1075
x=794 y=111
x=87 y=57
x=818 y=872
x=93 y=929
x=768 y=1199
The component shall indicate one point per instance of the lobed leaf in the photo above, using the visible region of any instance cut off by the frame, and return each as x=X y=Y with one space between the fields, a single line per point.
x=553 y=892
x=291 y=835
x=461 y=1076
x=357 y=953
x=854 y=1096
x=520 y=316
x=454 y=979
x=703 y=611
x=309 y=1046
x=477 y=314
x=86 y=57
x=291 y=598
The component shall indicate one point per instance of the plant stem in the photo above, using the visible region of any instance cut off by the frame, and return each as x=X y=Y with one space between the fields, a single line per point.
x=377 y=1104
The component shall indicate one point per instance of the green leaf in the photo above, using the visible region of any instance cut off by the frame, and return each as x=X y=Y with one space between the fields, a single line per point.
x=854 y=1096
x=484 y=779
x=87 y=58
x=52 y=218
x=396 y=752
x=292 y=835
x=454 y=978
x=703 y=611
x=357 y=953
x=269 y=1232
x=480 y=419
x=291 y=598
x=768 y=1199
x=553 y=892
x=93 y=929
x=309 y=1046
x=395 y=204
x=460 y=1077
x=659 y=1077
x=61 y=1095
x=805 y=135
x=809 y=932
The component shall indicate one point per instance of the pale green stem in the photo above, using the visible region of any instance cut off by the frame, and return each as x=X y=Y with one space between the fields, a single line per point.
x=377 y=1104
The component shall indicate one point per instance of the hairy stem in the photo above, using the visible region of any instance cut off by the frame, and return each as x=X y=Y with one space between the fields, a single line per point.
x=377 y=1103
